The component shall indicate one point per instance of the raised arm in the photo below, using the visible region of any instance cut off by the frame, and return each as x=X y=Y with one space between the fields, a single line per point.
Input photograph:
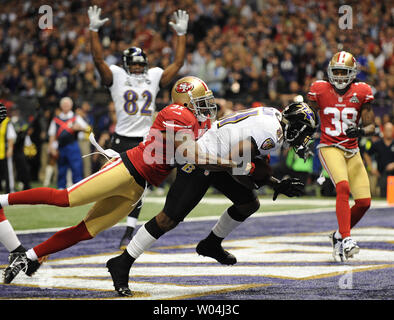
x=180 y=27
x=95 y=45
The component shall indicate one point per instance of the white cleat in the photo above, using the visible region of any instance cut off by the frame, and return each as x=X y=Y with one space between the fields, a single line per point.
x=349 y=247
x=336 y=247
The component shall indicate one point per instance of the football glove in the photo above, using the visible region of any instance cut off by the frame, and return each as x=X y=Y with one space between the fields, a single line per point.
x=3 y=112
x=94 y=18
x=304 y=152
x=354 y=132
x=291 y=187
x=181 y=19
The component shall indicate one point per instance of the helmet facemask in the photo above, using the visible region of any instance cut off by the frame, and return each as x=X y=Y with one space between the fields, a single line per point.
x=340 y=80
x=298 y=137
x=204 y=107
x=300 y=123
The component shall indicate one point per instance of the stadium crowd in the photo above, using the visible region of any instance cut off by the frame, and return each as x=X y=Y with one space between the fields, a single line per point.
x=250 y=53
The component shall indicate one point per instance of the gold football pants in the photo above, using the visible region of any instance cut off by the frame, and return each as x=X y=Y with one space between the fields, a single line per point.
x=114 y=191
x=341 y=168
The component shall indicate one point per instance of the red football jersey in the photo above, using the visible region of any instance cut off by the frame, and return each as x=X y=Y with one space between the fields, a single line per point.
x=338 y=112
x=153 y=158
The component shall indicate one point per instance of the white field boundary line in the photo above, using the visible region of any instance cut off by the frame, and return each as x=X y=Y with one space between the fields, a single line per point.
x=377 y=204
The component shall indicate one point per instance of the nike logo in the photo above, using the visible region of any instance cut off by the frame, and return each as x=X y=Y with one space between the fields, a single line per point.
x=178 y=113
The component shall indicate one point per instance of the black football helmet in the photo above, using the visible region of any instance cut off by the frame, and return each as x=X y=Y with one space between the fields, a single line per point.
x=299 y=123
x=134 y=55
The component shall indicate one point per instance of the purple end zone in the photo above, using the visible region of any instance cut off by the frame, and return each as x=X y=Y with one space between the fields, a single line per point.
x=374 y=284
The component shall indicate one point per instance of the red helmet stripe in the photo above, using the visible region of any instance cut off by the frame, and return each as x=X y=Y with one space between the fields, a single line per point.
x=203 y=83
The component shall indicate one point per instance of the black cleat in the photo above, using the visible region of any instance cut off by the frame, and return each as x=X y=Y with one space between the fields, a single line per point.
x=18 y=261
x=128 y=235
x=215 y=251
x=120 y=276
x=33 y=266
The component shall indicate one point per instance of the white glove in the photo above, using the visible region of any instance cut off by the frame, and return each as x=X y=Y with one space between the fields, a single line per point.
x=94 y=18
x=181 y=19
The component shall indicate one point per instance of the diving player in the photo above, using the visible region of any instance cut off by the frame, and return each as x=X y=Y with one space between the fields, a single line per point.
x=342 y=102
x=133 y=88
x=119 y=185
x=247 y=134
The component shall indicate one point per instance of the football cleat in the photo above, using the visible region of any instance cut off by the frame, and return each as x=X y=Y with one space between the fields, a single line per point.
x=120 y=276
x=336 y=247
x=18 y=261
x=33 y=266
x=349 y=247
x=213 y=250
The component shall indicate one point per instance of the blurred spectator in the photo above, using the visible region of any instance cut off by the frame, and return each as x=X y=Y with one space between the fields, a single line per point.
x=7 y=140
x=383 y=153
x=64 y=129
x=83 y=137
x=21 y=165
x=246 y=50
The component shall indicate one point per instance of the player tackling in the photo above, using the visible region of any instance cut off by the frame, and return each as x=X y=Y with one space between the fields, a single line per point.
x=342 y=102
x=119 y=185
x=249 y=134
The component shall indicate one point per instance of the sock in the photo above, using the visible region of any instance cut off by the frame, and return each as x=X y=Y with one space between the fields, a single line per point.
x=8 y=236
x=358 y=210
x=40 y=196
x=225 y=225
x=343 y=208
x=63 y=239
x=129 y=231
x=31 y=254
x=132 y=222
x=337 y=235
x=141 y=241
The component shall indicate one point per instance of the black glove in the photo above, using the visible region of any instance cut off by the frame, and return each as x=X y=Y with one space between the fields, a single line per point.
x=3 y=112
x=304 y=152
x=354 y=132
x=291 y=187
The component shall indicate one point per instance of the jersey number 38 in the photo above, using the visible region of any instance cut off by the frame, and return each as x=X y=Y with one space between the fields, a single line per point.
x=340 y=119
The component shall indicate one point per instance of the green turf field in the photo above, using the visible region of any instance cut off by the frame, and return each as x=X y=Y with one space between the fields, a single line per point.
x=27 y=217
